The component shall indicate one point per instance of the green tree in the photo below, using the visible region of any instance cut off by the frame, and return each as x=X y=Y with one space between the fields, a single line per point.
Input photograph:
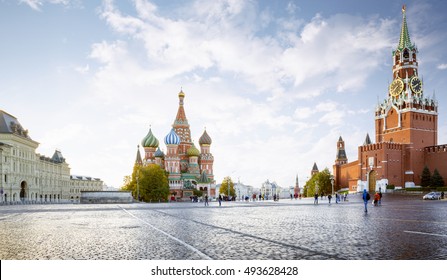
x=425 y=177
x=436 y=179
x=227 y=182
x=319 y=183
x=130 y=181
x=153 y=183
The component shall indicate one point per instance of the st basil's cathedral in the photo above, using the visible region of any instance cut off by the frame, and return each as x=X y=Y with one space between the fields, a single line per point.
x=187 y=167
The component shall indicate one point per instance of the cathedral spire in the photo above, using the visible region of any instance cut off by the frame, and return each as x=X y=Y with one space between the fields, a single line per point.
x=138 y=160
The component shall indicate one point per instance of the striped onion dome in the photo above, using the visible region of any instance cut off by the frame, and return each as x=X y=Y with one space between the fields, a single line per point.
x=205 y=139
x=159 y=153
x=149 y=140
x=172 y=138
x=193 y=151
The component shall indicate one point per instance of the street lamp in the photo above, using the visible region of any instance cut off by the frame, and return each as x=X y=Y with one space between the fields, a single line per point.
x=228 y=185
x=138 y=186
x=332 y=183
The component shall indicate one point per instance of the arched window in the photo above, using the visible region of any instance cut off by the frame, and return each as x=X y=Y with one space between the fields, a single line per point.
x=406 y=55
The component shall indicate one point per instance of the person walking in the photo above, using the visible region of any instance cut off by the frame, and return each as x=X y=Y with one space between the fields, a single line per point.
x=329 y=197
x=376 y=199
x=380 y=197
x=316 y=198
x=206 y=200
x=366 y=197
x=220 y=200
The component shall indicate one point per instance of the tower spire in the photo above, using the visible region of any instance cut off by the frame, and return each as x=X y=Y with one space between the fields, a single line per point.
x=404 y=40
x=138 y=160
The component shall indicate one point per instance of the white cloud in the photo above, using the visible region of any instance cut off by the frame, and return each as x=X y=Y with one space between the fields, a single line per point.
x=239 y=84
x=442 y=66
x=38 y=4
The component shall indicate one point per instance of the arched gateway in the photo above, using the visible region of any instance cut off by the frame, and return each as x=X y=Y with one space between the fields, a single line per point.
x=23 y=190
x=372 y=181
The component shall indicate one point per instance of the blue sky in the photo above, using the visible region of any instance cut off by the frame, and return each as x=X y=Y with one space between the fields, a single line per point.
x=275 y=83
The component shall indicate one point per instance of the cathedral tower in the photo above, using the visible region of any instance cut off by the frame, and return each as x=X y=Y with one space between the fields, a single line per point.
x=206 y=159
x=150 y=144
x=181 y=127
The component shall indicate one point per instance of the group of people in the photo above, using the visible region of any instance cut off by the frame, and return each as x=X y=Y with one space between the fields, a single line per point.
x=338 y=197
x=377 y=199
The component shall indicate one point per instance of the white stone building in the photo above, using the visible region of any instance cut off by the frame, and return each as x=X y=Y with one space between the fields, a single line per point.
x=28 y=177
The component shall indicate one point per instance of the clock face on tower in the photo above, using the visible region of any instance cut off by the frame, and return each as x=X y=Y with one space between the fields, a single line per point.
x=396 y=87
x=416 y=85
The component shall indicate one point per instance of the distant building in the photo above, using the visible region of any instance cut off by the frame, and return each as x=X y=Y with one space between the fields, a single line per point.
x=243 y=190
x=406 y=131
x=28 y=177
x=268 y=189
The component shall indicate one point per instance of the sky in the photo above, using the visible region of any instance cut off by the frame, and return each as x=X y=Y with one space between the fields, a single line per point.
x=275 y=83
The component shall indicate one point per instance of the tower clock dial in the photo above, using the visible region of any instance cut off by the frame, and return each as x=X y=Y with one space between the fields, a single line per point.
x=416 y=85
x=396 y=87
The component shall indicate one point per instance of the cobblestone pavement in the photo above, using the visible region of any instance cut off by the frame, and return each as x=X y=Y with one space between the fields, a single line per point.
x=403 y=227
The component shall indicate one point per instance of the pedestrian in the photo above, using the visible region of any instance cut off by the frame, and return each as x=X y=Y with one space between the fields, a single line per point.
x=220 y=200
x=366 y=197
x=376 y=199
x=291 y=196
x=316 y=198
x=442 y=195
x=329 y=197
x=336 y=198
x=206 y=200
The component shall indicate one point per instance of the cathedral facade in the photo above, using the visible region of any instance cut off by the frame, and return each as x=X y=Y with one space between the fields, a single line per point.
x=187 y=167
x=406 y=131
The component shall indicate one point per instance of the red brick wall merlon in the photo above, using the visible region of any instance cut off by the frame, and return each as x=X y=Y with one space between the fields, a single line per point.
x=436 y=157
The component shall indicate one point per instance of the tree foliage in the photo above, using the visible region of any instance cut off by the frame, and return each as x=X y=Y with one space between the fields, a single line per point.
x=149 y=181
x=224 y=187
x=425 y=177
x=436 y=179
x=319 y=183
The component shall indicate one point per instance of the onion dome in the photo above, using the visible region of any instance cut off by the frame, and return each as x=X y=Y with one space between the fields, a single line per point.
x=205 y=139
x=172 y=138
x=181 y=93
x=193 y=151
x=149 y=140
x=159 y=153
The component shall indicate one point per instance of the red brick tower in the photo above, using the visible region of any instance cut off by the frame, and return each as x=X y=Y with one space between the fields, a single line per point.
x=407 y=116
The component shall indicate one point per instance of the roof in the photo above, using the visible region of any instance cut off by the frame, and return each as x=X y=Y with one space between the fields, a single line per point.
x=341 y=155
x=83 y=178
x=204 y=177
x=57 y=157
x=404 y=39
x=367 y=140
x=10 y=124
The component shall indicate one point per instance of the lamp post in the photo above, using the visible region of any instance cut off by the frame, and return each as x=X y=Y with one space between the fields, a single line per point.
x=228 y=185
x=138 y=186
x=332 y=183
